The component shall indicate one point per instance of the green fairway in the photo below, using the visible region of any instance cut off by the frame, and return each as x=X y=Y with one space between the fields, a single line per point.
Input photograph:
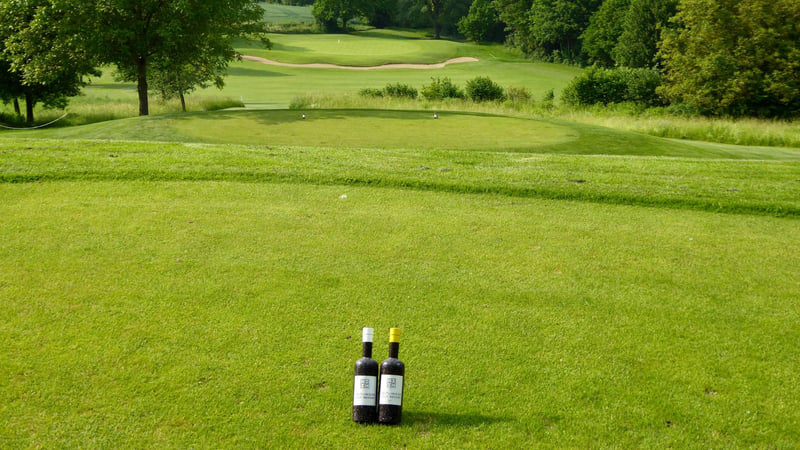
x=220 y=314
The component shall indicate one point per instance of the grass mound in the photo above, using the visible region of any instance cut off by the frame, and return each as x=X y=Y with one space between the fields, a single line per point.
x=376 y=129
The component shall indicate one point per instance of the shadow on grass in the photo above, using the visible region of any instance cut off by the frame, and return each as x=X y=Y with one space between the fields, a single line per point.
x=249 y=72
x=466 y=420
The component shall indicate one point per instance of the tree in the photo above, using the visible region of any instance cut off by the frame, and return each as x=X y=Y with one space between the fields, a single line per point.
x=328 y=13
x=515 y=14
x=556 y=25
x=180 y=75
x=739 y=57
x=408 y=14
x=43 y=55
x=11 y=88
x=136 y=35
x=380 y=13
x=642 y=26
x=602 y=35
x=482 y=23
x=444 y=14
x=435 y=8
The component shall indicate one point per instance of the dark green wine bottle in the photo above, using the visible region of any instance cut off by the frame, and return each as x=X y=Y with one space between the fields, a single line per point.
x=390 y=402
x=365 y=384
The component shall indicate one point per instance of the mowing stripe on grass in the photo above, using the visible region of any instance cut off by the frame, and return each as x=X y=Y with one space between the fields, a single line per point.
x=742 y=187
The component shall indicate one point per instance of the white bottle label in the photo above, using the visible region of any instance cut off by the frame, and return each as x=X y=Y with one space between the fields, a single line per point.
x=364 y=390
x=391 y=390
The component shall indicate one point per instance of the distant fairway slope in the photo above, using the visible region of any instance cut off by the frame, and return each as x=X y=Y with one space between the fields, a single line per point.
x=368 y=48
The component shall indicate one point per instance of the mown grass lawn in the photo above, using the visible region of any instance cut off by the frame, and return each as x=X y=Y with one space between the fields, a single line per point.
x=178 y=295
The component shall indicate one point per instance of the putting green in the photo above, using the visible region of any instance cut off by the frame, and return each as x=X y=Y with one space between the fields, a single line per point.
x=371 y=129
x=416 y=130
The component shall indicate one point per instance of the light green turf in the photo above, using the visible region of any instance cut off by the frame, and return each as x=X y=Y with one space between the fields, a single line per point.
x=227 y=315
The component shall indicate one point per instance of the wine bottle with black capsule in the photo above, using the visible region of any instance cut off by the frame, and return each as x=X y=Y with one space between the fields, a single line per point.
x=365 y=384
x=390 y=401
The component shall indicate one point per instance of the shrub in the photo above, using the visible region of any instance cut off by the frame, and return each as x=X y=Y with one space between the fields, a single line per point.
x=604 y=86
x=518 y=95
x=399 y=90
x=371 y=92
x=441 y=88
x=483 y=89
x=396 y=90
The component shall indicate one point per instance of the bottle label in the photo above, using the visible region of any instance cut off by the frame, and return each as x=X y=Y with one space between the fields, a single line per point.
x=391 y=390
x=364 y=390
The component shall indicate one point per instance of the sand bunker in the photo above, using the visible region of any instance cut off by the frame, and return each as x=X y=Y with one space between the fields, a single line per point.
x=463 y=59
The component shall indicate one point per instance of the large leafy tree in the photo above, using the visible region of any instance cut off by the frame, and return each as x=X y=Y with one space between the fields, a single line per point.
x=626 y=32
x=482 y=23
x=137 y=35
x=443 y=15
x=515 y=14
x=602 y=35
x=329 y=13
x=41 y=61
x=11 y=88
x=642 y=27
x=735 y=56
x=178 y=74
x=556 y=26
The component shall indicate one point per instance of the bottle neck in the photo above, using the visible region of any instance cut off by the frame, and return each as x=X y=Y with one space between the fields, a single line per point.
x=367 y=349
x=394 y=349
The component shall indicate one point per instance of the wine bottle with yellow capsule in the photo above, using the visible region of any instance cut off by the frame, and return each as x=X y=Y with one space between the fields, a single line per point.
x=390 y=401
x=365 y=384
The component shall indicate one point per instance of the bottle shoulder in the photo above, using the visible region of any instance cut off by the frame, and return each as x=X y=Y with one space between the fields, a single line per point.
x=366 y=363
x=393 y=364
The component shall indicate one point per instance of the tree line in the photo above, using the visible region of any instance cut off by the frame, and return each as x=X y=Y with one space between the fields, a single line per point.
x=732 y=57
x=48 y=48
